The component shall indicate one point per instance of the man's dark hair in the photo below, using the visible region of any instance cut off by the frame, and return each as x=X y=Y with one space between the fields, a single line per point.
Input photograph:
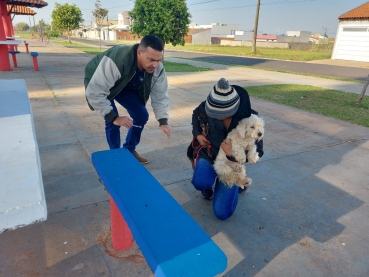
x=151 y=41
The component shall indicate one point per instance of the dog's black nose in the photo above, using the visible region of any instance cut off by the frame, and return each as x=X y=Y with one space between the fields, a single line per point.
x=260 y=134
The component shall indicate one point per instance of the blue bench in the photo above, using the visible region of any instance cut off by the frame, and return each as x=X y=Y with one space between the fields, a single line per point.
x=171 y=241
x=13 y=53
x=34 y=56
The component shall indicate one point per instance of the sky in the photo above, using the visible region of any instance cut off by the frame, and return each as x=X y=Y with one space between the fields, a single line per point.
x=275 y=17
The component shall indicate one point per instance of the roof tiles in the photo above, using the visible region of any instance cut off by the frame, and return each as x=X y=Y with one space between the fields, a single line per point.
x=28 y=3
x=361 y=12
x=21 y=10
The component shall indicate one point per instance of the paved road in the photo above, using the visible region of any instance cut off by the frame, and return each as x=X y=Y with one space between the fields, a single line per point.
x=301 y=67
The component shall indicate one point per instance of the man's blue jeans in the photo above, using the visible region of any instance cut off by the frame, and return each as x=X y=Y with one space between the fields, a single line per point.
x=225 y=199
x=132 y=102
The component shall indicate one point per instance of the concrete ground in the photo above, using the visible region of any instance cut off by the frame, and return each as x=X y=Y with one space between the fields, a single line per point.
x=356 y=64
x=306 y=213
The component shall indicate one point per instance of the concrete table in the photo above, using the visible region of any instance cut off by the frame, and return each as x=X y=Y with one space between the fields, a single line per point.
x=22 y=197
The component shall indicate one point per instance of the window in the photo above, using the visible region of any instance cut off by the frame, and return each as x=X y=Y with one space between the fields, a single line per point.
x=355 y=29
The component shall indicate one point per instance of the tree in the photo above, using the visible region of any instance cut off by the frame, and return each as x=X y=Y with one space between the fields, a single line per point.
x=167 y=19
x=361 y=96
x=21 y=26
x=66 y=17
x=42 y=23
x=99 y=14
x=45 y=27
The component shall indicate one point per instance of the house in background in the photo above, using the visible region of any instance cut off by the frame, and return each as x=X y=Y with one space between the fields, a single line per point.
x=243 y=35
x=124 y=19
x=198 y=36
x=210 y=34
x=319 y=39
x=265 y=38
x=352 y=40
x=295 y=36
x=110 y=29
x=93 y=30
x=220 y=31
x=120 y=30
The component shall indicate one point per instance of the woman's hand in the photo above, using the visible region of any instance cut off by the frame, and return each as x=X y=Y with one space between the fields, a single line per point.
x=227 y=147
x=202 y=140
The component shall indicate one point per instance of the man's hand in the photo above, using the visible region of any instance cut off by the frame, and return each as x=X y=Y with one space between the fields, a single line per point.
x=227 y=147
x=202 y=140
x=124 y=121
x=166 y=129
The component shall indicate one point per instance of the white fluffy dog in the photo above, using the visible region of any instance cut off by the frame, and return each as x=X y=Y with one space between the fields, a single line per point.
x=243 y=138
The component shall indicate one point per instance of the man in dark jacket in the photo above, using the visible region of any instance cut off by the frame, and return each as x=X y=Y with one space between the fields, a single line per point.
x=212 y=120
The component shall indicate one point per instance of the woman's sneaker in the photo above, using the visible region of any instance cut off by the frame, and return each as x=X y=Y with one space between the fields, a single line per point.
x=207 y=194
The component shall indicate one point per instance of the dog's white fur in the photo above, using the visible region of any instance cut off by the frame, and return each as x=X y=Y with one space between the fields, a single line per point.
x=243 y=138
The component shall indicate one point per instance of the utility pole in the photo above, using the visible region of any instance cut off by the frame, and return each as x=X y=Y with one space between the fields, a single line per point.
x=107 y=19
x=30 y=26
x=34 y=25
x=325 y=31
x=256 y=27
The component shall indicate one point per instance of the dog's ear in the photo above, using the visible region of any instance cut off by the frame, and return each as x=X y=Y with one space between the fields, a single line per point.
x=242 y=127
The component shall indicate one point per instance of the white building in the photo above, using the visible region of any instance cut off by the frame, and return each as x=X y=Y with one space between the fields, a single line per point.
x=295 y=36
x=352 y=40
x=298 y=34
x=211 y=34
x=123 y=24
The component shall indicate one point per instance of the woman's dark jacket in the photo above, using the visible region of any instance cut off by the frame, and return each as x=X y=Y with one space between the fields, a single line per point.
x=216 y=130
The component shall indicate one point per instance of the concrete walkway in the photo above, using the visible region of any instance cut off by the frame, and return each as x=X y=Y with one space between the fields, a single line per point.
x=306 y=213
x=356 y=64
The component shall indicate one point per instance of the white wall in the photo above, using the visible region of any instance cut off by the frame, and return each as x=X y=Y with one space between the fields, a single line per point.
x=298 y=33
x=258 y=43
x=202 y=37
x=352 y=45
x=223 y=29
x=244 y=36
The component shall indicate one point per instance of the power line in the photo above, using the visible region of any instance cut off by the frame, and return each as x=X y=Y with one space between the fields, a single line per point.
x=204 y=2
x=253 y=5
x=108 y=8
x=119 y=6
x=193 y=4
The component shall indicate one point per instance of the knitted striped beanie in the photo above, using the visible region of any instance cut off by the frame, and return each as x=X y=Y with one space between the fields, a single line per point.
x=223 y=101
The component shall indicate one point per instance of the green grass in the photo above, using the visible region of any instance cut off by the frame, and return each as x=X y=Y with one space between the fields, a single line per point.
x=24 y=35
x=309 y=74
x=169 y=66
x=88 y=49
x=332 y=103
x=183 y=67
x=316 y=53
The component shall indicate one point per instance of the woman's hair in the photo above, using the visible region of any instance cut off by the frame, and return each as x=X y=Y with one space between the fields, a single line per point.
x=151 y=41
